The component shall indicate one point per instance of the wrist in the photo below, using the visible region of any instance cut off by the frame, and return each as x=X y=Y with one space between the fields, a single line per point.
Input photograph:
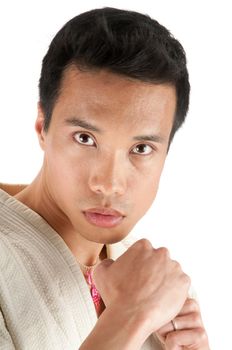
x=117 y=328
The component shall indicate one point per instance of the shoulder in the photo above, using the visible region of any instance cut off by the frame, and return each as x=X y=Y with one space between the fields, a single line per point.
x=11 y=189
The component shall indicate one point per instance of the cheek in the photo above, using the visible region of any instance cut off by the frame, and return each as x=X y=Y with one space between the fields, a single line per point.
x=65 y=164
x=145 y=193
x=66 y=180
x=150 y=189
x=69 y=178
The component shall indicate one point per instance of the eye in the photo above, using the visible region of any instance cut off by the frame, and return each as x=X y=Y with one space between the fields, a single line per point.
x=142 y=149
x=84 y=139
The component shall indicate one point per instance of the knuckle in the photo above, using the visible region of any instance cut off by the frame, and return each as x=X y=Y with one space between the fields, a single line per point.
x=176 y=264
x=186 y=279
x=196 y=318
x=193 y=305
x=202 y=336
x=163 y=251
x=143 y=244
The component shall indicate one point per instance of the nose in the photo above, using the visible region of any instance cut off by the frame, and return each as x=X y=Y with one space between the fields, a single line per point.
x=108 y=176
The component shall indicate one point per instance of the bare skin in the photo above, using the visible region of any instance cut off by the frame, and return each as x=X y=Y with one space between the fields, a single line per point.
x=105 y=148
x=190 y=332
x=126 y=126
x=12 y=189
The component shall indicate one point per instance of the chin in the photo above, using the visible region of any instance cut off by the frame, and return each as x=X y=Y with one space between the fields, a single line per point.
x=108 y=237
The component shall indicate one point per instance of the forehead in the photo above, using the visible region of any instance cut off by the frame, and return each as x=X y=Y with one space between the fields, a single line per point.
x=113 y=98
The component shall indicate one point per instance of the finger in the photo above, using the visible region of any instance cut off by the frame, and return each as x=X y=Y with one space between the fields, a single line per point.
x=100 y=270
x=190 y=305
x=194 y=338
x=190 y=321
x=163 y=250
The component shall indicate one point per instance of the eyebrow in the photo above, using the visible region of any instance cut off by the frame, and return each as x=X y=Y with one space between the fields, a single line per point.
x=82 y=123
x=86 y=125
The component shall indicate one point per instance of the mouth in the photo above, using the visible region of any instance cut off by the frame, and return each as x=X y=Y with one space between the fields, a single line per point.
x=103 y=217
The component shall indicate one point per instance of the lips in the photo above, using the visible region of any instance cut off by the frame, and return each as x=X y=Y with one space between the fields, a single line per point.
x=104 y=211
x=103 y=217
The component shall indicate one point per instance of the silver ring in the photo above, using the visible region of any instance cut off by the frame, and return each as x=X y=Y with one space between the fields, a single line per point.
x=174 y=325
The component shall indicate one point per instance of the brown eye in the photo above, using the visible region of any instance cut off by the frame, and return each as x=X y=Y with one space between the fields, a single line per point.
x=84 y=139
x=142 y=149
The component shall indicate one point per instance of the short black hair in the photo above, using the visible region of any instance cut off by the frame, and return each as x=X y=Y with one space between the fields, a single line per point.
x=123 y=42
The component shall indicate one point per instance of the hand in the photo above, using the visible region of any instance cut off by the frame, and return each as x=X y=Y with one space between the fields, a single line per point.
x=143 y=282
x=189 y=333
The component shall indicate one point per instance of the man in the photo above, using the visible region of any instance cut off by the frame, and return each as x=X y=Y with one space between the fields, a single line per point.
x=113 y=91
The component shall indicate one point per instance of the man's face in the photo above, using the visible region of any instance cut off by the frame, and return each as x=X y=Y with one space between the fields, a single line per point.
x=105 y=148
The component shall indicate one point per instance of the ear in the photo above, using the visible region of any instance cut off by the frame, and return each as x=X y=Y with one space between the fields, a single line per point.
x=39 y=125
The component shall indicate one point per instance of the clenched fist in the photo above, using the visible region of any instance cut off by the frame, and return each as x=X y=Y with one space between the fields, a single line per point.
x=144 y=282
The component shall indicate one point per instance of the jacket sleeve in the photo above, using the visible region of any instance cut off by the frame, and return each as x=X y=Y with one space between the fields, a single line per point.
x=6 y=342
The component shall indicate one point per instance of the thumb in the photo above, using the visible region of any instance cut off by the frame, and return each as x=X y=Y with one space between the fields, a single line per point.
x=100 y=270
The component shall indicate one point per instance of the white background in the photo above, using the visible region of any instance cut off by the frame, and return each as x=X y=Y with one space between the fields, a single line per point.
x=192 y=213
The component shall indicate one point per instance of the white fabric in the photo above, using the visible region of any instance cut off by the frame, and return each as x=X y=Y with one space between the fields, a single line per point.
x=45 y=303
